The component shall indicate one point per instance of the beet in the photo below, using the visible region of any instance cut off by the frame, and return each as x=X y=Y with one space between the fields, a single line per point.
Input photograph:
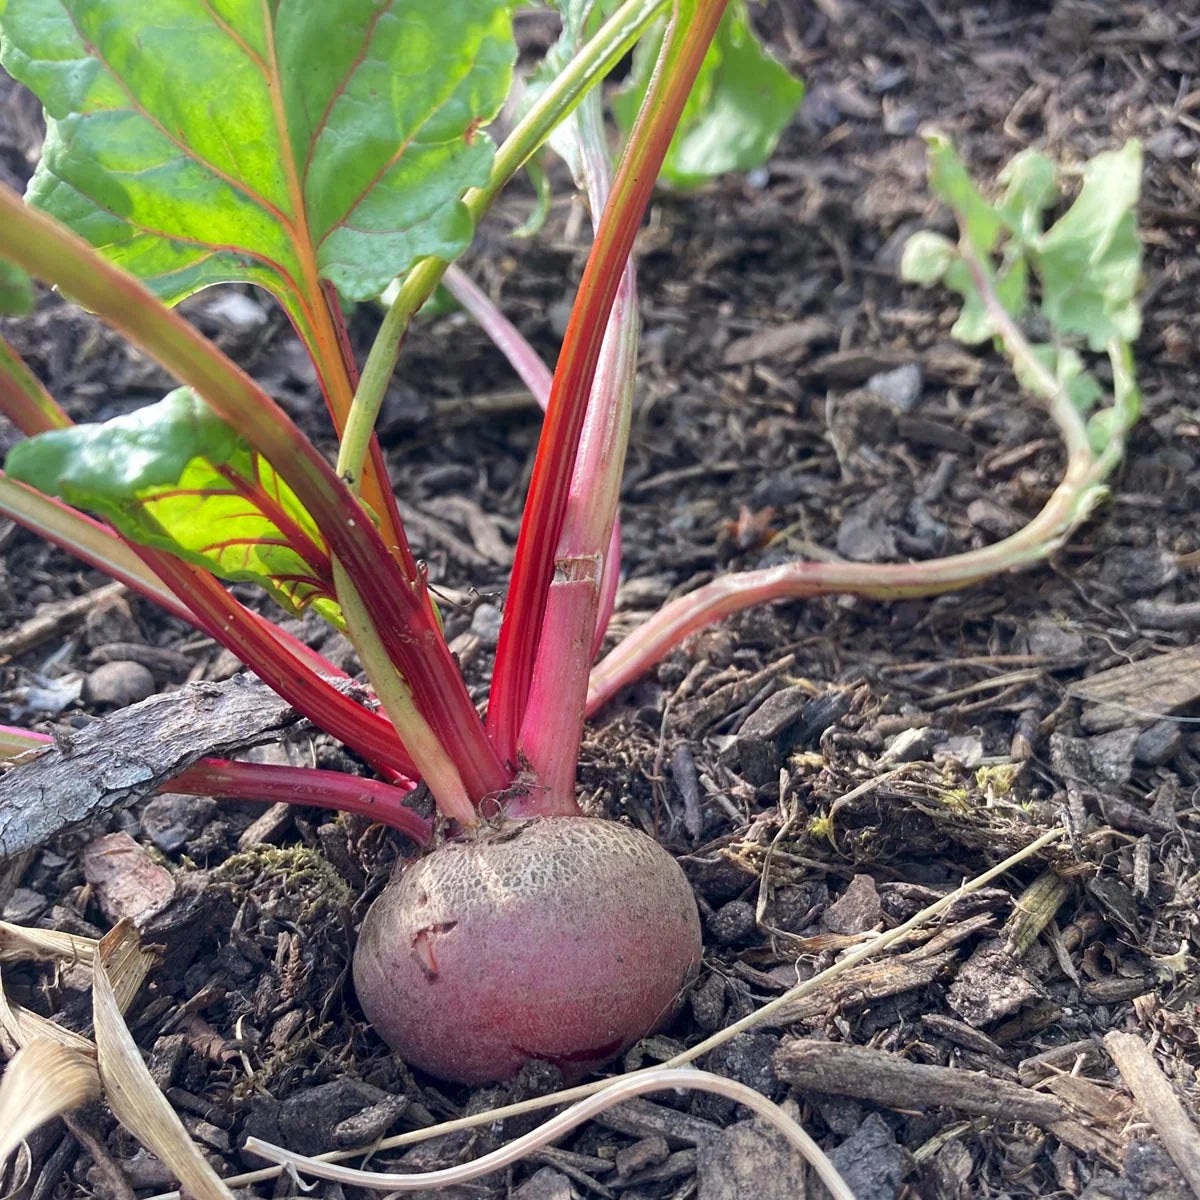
x=563 y=939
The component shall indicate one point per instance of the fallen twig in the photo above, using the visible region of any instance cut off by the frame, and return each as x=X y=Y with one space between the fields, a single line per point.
x=1157 y=1099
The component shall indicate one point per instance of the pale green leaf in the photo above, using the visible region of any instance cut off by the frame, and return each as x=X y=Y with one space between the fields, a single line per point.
x=1090 y=259
x=740 y=104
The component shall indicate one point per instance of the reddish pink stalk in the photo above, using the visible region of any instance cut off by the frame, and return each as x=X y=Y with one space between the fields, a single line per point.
x=558 y=691
x=306 y=786
x=267 y=783
x=545 y=507
x=537 y=377
x=258 y=644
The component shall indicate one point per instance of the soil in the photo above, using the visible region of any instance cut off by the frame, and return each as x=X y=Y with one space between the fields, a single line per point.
x=822 y=768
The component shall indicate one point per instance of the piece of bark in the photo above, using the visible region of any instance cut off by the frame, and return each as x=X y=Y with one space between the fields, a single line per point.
x=126 y=880
x=1157 y=1099
x=129 y=755
x=1157 y=685
x=893 y=1082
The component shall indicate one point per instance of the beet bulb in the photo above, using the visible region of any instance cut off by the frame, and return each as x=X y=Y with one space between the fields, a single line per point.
x=563 y=939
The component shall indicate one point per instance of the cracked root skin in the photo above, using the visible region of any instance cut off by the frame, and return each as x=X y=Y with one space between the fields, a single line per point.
x=565 y=940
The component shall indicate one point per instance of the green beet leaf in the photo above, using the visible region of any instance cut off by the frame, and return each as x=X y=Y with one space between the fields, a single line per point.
x=206 y=141
x=16 y=291
x=741 y=102
x=1090 y=259
x=174 y=476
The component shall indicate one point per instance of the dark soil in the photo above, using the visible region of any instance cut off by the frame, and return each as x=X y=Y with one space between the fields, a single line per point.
x=822 y=768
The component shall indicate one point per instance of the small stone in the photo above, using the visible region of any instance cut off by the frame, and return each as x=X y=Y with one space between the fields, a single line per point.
x=1048 y=637
x=733 y=922
x=1158 y=743
x=309 y=1117
x=117 y=684
x=485 y=624
x=170 y=820
x=993 y=519
x=545 y=1184
x=899 y=387
x=749 y=1159
x=1137 y=570
x=1112 y=755
x=966 y=750
x=870 y=1160
x=910 y=745
x=856 y=910
x=110 y=620
x=748 y=1058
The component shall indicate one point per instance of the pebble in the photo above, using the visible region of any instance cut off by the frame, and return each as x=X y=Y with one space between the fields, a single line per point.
x=117 y=684
x=485 y=624
x=856 y=910
x=870 y=1160
x=899 y=387
x=862 y=537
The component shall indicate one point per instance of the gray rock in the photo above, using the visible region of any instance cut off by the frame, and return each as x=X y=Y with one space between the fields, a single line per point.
x=118 y=684
x=24 y=906
x=110 y=620
x=856 y=910
x=1048 y=637
x=545 y=1184
x=1112 y=755
x=990 y=985
x=485 y=624
x=910 y=745
x=899 y=387
x=749 y=1159
x=863 y=537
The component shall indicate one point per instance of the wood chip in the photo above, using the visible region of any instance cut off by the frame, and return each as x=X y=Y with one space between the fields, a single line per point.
x=781 y=343
x=891 y=1081
x=126 y=880
x=1147 y=689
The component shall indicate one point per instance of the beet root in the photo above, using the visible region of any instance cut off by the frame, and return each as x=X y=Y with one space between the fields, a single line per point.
x=563 y=939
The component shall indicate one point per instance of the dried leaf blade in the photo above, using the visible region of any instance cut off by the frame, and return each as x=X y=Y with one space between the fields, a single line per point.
x=43 y=1080
x=136 y=1101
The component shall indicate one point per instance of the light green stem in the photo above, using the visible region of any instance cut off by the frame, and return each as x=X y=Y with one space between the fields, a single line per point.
x=435 y=766
x=611 y=42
